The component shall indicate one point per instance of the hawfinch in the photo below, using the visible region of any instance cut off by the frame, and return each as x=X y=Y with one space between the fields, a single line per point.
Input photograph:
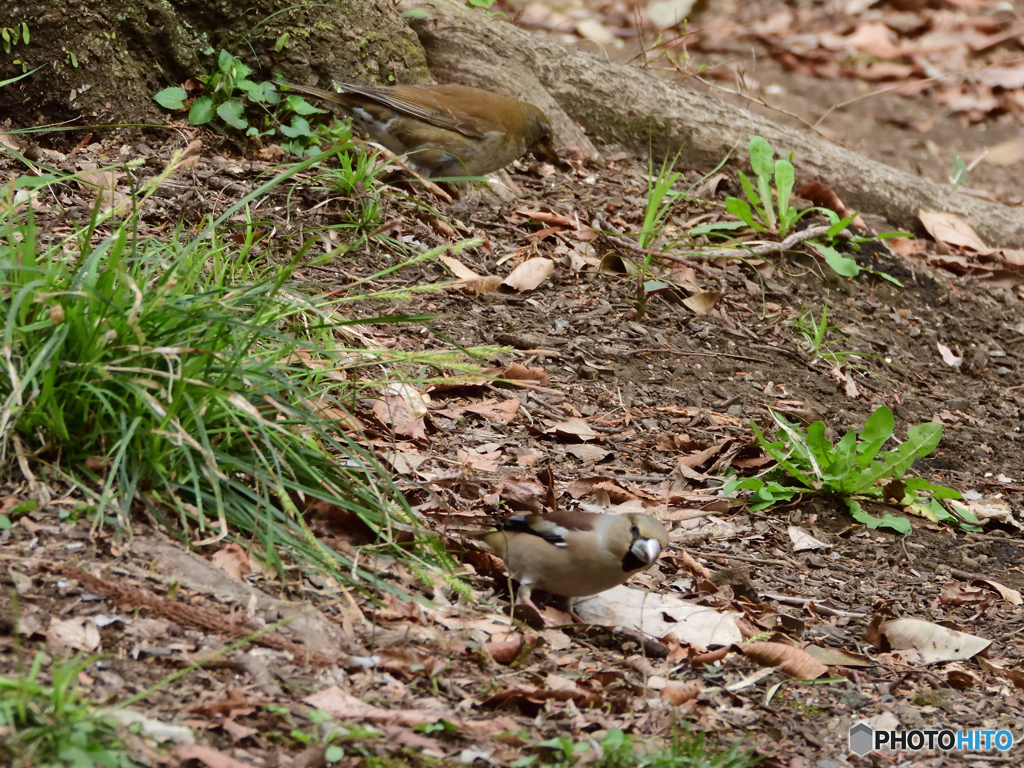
x=573 y=554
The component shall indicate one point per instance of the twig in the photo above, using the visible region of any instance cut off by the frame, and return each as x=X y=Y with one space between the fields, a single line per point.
x=688 y=353
x=765 y=248
x=616 y=239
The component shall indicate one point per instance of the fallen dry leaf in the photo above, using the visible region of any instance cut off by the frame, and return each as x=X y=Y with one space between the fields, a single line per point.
x=232 y=559
x=1006 y=153
x=794 y=662
x=918 y=641
x=80 y=634
x=676 y=693
x=529 y=274
x=208 y=756
x=573 y=427
x=950 y=229
x=950 y=359
x=647 y=611
x=803 y=540
x=503 y=412
x=1012 y=596
x=549 y=218
x=702 y=303
x=459 y=269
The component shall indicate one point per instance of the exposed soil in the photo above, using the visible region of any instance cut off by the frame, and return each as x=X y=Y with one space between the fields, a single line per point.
x=658 y=388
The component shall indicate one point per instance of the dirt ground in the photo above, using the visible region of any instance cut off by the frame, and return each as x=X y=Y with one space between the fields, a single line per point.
x=657 y=391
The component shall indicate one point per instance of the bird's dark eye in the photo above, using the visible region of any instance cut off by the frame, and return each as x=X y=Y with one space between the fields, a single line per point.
x=634 y=530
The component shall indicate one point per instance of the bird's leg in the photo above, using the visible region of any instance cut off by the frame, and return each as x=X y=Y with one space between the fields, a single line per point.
x=524 y=596
x=565 y=604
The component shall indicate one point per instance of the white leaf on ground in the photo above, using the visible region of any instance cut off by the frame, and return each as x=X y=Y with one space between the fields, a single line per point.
x=803 y=540
x=667 y=13
x=948 y=357
x=80 y=634
x=918 y=641
x=643 y=612
x=529 y=274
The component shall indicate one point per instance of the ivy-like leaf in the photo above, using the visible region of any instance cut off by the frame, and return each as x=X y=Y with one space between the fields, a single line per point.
x=202 y=111
x=171 y=98
x=231 y=112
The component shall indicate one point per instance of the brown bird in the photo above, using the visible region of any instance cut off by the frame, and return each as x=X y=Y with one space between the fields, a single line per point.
x=573 y=554
x=445 y=130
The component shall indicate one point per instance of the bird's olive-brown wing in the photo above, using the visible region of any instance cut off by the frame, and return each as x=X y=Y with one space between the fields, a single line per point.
x=419 y=102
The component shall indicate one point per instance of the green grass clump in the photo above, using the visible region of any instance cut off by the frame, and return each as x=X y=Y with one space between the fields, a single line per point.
x=182 y=374
x=50 y=725
x=620 y=750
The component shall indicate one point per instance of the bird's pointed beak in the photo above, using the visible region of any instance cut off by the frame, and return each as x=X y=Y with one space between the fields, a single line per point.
x=647 y=550
x=545 y=151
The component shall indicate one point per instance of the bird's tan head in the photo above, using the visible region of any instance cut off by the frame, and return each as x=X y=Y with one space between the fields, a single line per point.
x=648 y=538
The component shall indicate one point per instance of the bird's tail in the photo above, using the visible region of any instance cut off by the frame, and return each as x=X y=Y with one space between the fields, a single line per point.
x=312 y=90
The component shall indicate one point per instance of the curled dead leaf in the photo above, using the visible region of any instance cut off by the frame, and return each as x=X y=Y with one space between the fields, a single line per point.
x=505 y=649
x=794 y=662
x=676 y=693
x=703 y=303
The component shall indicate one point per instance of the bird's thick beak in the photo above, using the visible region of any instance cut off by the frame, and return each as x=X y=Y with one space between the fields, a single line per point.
x=647 y=550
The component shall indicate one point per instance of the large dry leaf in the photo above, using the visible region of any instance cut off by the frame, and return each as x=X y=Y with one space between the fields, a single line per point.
x=667 y=13
x=529 y=274
x=645 y=612
x=837 y=657
x=416 y=400
x=702 y=303
x=918 y=641
x=1007 y=78
x=503 y=412
x=103 y=183
x=1006 y=153
x=574 y=427
x=794 y=662
x=405 y=461
x=345 y=706
x=458 y=269
x=804 y=540
x=1012 y=596
x=80 y=634
x=549 y=218
x=678 y=693
x=519 y=372
x=950 y=229
x=396 y=413
x=988 y=509
x=595 y=31
x=208 y=756
x=232 y=559
x=948 y=356
x=482 y=462
x=588 y=453
x=530 y=697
